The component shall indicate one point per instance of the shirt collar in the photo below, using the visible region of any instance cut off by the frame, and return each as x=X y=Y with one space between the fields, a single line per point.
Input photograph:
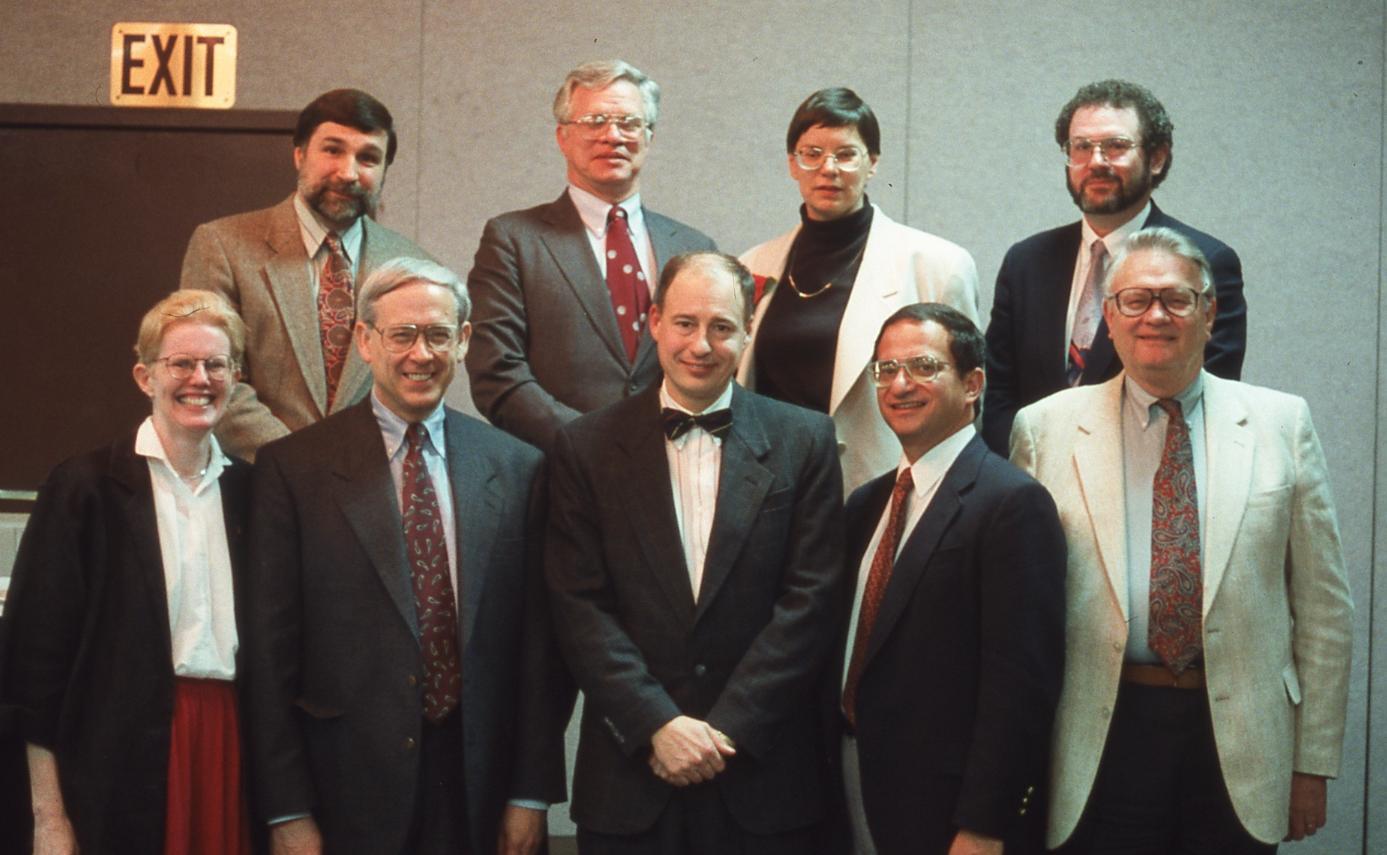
x=929 y=470
x=392 y=427
x=313 y=232
x=148 y=444
x=593 y=211
x=1114 y=238
x=1142 y=401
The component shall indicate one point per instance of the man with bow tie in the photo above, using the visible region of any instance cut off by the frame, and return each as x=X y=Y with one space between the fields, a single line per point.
x=694 y=558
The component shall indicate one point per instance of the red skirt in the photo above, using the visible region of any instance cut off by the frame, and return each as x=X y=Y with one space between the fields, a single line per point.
x=206 y=803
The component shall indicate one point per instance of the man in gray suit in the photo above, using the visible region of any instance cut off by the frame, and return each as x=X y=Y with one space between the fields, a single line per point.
x=562 y=289
x=289 y=270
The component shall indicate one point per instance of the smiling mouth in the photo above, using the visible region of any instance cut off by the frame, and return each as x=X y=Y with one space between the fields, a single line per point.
x=419 y=377
x=195 y=400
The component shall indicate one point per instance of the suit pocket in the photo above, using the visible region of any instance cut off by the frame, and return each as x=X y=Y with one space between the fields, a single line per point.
x=778 y=500
x=317 y=711
x=1274 y=496
x=1288 y=676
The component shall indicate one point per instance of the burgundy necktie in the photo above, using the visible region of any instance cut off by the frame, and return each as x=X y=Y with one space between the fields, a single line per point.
x=1176 y=587
x=877 y=577
x=626 y=282
x=434 y=602
x=335 y=311
x=1088 y=314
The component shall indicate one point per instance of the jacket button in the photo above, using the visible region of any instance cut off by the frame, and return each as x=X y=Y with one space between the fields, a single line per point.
x=412 y=681
x=700 y=670
x=409 y=743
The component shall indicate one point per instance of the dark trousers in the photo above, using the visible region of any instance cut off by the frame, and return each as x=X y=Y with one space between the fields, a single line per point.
x=696 y=822
x=1159 y=789
x=440 y=816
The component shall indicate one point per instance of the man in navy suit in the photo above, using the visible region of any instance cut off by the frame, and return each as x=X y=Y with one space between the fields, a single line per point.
x=1047 y=331
x=951 y=660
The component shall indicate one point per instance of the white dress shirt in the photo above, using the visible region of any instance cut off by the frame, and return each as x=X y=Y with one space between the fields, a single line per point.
x=695 y=461
x=926 y=473
x=197 y=563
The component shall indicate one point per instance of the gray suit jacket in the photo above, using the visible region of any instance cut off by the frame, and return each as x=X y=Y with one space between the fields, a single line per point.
x=257 y=261
x=545 y=346
x=333 y=705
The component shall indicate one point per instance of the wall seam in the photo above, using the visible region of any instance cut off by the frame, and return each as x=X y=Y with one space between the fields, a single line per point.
x=1377 y=447
x=419 y=111
x=909 y=108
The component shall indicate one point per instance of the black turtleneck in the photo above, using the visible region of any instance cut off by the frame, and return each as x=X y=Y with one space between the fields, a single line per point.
x=798 y=336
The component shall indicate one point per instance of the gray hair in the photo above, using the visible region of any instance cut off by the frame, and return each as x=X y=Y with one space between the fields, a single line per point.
x=1162 y=239
x=600 y=74
x=398 y=272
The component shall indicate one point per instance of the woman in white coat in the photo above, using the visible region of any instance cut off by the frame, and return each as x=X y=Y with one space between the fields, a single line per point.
x=837 y=276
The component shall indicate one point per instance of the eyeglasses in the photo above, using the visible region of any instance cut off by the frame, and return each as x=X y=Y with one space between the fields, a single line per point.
x=594 y=125
x=813 y=158
x=400 y=338
x=181 y=366
x=1177 y=302
x=920 y=369
x=1079 y=151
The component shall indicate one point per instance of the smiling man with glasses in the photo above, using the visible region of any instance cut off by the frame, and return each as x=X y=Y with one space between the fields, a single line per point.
x=1209 y=622
x=1047 y=333
x=563 y=289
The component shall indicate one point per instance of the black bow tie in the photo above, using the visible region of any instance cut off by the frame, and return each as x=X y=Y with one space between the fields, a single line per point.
x=676 y=423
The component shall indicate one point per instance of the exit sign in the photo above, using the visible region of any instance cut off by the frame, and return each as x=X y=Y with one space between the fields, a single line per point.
x=173 y=65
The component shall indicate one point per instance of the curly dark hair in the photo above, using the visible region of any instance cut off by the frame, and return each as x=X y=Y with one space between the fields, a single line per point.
x=1157 y=130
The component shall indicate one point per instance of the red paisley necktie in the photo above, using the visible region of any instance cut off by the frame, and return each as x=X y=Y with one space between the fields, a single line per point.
x=1176 y=587
x=335 y=312
x=433 y=589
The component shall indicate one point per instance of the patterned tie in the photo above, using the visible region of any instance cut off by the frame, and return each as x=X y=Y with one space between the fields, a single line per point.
x=877 y=577
x=1089 y=313
x=626 y=282
x=335 y=311
x=1176 y=587
x=433 y=590
x=676 y=423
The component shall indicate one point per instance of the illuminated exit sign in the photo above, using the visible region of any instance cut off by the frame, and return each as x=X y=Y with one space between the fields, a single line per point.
x=173 y=65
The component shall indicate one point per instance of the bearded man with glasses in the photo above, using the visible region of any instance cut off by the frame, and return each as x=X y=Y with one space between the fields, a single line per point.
x=562 y=289
x=1047 y=331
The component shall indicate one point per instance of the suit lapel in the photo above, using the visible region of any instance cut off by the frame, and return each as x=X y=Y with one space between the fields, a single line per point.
x=743 y=482
x=476 y=503
x=286 y=270
x=1054 y=280
x=365 y=492
x=875 y=291
x=356 y=374
x=1229 y=470
x=650 y=504
x=567 y=243
x=131 y=471
x=918 y=551
x=1098 y=464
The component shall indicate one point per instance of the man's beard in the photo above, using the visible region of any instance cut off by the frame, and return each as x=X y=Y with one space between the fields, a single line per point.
x=1128 y=193
x=341 y=212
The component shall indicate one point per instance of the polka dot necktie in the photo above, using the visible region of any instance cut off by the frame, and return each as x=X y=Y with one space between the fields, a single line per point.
x=434 y=602
x=1176 y=587
x=335 y=312
x=626 y=282
x=878 y=575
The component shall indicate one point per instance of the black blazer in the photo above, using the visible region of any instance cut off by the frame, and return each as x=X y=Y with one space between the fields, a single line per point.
x=1025 y=338
x=746 y=657
x=964 y=663
x=89 y=673
x=545 y=345
x=333 y=701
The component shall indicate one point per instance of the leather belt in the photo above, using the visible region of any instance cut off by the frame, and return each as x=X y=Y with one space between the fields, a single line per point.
x=1163 y=677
